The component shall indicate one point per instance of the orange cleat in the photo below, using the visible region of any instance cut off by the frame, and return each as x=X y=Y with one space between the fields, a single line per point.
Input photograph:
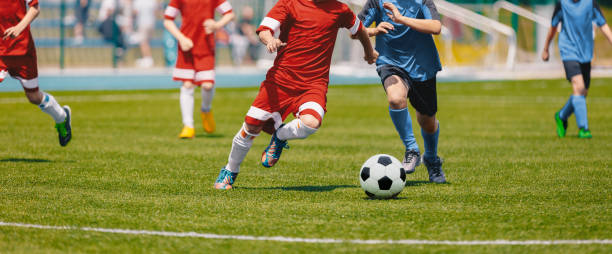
x=208 y=121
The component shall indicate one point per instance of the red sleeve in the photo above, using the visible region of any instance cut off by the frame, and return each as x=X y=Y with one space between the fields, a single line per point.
x=349 y=21
x=173 y=9
x=277 y=16
x=223 y=7
x=32 y=3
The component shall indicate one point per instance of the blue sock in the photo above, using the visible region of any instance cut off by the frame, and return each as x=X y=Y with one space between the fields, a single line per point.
x=403 y=125
x=431 y=144
x=580 y=110
x=567 y=110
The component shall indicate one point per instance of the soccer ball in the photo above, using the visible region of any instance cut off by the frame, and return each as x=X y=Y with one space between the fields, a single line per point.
x=382 y=176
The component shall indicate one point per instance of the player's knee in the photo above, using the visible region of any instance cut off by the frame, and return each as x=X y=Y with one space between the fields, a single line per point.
x=427 y=123
x=208 y=86
x=252 y=129
x=188 y=84
x=396 y=101
x=310 y=121
x=35 y=97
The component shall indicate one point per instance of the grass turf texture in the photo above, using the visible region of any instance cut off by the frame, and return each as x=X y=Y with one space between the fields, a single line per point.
x=510 y=176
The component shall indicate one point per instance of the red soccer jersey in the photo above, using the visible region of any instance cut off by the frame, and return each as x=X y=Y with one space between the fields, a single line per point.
x=193 y=13
x=11 y=13
x=309 y=29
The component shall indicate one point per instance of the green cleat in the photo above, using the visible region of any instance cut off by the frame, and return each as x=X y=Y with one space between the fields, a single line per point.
x=582 y=133
x=64 y=129
x=561 y=125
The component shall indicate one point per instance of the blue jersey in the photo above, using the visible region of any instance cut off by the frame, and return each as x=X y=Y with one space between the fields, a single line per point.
x=576 y=38
x=405 y=47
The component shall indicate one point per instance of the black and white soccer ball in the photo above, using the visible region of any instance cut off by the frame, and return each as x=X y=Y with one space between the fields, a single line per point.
x=382 y=176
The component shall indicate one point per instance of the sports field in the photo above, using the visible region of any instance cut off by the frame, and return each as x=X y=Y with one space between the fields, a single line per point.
x=510 y=177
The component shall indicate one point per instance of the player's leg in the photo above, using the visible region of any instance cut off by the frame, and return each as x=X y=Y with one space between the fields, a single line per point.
x=580 y=88
x=208 y=119
x=185 y=72
x=187 y=102
x=241 y=144
x=205 y=76
x=309 y=109
x=397 y=92
x=47 y=103
x=423 y=97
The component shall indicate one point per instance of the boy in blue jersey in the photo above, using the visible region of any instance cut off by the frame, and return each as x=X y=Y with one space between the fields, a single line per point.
x=576 y=47
x=407 y=66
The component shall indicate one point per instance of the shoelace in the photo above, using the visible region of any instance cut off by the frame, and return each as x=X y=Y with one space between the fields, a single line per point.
x=273 y=148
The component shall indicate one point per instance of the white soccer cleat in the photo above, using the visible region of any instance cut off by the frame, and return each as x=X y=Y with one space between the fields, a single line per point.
x=3 y=75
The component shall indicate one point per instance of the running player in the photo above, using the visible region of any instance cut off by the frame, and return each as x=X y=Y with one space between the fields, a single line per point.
x=297 y=83
x=195 y=65
x=407 y=66
x=18 y=59
x=576 y=47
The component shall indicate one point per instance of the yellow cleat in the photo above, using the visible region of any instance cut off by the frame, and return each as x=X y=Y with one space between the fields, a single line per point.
x=187 y=132
x=208 y=121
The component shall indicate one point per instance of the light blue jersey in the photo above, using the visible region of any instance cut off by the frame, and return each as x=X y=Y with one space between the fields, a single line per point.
x=576 y=38
x=404 y=47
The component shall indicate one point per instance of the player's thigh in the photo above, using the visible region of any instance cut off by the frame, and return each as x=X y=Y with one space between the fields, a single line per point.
x=397 y=91
x=311 y=108
x=269 y=108
x=204 y=71
x=573 y=73
x=423 y=96
x=578 y=86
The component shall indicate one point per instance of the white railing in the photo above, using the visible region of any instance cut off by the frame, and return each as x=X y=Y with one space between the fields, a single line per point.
x=497 y=6
x=482 y=23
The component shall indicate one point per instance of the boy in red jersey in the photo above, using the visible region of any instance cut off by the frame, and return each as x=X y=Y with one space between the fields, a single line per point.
x=195 y=65
x=297 y=83
x=18 y=59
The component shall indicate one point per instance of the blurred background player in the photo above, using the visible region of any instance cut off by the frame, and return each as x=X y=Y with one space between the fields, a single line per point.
x=81 y=11
x=18 y=59
x=195 y=65
x=244 y=40
x=145 y=24
x=407 y=66
x=576 y=47
x=297 y=83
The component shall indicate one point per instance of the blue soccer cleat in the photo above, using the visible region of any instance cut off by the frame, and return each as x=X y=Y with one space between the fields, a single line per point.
x=225 y=180
x=272 y=154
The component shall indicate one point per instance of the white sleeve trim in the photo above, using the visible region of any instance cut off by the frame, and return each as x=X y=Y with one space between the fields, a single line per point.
x=171 y=11
x=271 y=23
x=224 y=7
x=355 y=26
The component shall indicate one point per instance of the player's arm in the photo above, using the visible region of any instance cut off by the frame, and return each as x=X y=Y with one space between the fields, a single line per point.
x=600 y=21
x=371 y=14
x=169 y=15
x=272 y=44
x=15 y=31
x=556 y=19
x=225 y=9
x=428 y=26
x=364 y=38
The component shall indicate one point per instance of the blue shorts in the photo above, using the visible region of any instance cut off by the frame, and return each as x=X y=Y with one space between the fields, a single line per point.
x=573 y=68
x=422 y=94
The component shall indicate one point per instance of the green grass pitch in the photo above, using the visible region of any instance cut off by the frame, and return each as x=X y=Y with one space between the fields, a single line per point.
x=510 y=176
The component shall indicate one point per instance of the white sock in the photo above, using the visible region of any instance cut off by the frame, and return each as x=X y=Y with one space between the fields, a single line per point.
x=240 y=147
x=50 y=106
x=207 y=97
x=295 y=129
x=186 y=99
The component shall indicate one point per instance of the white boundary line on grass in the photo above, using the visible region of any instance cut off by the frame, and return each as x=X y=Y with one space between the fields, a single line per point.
x=305 y=240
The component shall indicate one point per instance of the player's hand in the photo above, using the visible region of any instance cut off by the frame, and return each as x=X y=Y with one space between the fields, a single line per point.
x=186 y=44
x=210 y=26
x=393 y=12
x=545 y=55
x=384 y=27
x=371 y=56
x=274 y=45
x=12 y=32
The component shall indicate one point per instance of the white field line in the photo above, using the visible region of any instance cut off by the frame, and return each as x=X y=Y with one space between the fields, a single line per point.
x=306 y=240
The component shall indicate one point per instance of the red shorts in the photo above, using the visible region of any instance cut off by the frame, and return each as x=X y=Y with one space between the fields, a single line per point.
x=194 y=68
x=274 y=103
x=24 y=68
